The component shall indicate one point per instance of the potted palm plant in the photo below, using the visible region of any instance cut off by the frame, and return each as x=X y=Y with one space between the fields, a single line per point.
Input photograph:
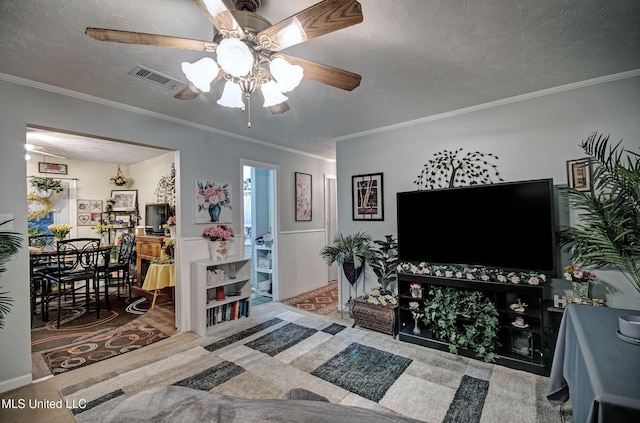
x=9 y=245
x=351 y=252
x=609 y=232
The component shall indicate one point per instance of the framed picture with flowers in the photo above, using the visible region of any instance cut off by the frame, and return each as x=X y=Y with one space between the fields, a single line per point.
x=366 y=195
x=212 y=202
x=125 y=200
x=303 y=196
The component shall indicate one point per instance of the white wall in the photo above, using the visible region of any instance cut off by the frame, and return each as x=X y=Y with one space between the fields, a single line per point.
x=201 y=154
x=533 y=139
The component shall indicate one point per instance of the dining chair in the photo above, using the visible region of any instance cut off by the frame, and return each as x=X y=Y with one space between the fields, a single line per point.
x=118 y=268
x=76 y=261
x=39 y=264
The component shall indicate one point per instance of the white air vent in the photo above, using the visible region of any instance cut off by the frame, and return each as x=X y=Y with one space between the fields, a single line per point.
x=157 y=78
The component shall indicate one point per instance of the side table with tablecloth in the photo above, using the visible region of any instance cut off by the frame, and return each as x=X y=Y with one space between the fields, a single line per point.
x=598 y=370
x=159 y=276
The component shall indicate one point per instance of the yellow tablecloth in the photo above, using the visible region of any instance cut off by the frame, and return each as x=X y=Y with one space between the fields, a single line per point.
x=159 y=276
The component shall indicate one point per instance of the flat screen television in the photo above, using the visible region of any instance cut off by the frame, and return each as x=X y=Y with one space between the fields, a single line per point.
x=155 y=215
x=508 y=226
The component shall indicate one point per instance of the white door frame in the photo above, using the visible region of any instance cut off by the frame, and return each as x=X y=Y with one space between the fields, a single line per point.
x=332 y=270
x=275 y=216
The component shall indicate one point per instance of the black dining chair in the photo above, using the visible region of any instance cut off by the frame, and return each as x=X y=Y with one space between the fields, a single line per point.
x=76 y=261
x=41 y=263
x=114 y=270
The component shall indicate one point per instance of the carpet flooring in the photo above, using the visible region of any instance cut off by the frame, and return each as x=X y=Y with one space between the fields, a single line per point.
x=280 y=347
x=323 y=300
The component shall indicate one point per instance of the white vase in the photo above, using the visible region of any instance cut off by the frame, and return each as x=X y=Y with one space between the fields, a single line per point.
x=218 y=250
x=172 y=232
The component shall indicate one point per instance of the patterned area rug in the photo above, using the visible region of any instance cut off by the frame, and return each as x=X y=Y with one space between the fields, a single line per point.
x=279 y=348
x=321 y=301
x=83 y=339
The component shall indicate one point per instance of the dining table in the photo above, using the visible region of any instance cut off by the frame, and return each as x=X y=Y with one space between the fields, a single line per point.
x=159 y=276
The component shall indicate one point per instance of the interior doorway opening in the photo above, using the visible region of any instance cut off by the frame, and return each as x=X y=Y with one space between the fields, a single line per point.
x=260 y=229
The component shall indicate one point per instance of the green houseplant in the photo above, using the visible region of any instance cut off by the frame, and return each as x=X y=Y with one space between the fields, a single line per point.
x=9 y=245
x=609 y=231
x=384 y=261
x=46 y=186
x=463 y=319
x=351 y=252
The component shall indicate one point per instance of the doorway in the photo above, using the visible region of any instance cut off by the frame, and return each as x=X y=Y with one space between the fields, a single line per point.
x=331 y=222
x=260 y=228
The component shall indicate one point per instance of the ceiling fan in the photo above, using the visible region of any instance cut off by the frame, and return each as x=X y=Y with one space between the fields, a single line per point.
x=248 y=51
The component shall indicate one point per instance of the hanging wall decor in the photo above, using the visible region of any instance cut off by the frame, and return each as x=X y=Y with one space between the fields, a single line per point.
x=579 y=174
x=212 y=202
x=450 y=169
x=303 y=196
x=89 y=212
x=366 y=197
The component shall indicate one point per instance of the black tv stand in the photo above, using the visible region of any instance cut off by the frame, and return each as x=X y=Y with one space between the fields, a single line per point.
x=523 y=348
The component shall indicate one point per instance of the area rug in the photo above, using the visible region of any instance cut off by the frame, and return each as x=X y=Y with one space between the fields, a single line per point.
x=83 y=339
x=76 y=324
x=323 y=300
x=280 y=347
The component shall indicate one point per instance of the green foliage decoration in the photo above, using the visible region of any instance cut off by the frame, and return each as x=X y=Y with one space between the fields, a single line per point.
x=384 y=260
x=463 y=319
x=10 y=243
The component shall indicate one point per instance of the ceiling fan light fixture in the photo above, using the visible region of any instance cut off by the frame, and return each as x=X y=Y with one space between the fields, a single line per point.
x=287 y=76
x=234 y=57
x=201 y=73
x=292 y=34
x=272 y=94
x=231 y=96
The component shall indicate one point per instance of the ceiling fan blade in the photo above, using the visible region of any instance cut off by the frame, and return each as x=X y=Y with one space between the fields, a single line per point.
x=128 y=37
x=324 y=74
x=279 y=108
x=188 y=93
x=219 y=15
x=319 y=19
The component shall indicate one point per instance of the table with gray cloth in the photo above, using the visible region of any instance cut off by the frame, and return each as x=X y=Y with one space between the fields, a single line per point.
x=179 y=404
x=601 y=370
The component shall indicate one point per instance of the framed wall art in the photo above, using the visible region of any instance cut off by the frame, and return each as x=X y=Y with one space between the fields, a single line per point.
x=367 y=199
x=89 y=212
x=579 y=174
x=57 y=168
x=303 y=196
x=212 y=202
x=125 y=200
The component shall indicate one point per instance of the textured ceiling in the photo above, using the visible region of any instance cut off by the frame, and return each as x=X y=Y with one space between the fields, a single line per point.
x=417 y=58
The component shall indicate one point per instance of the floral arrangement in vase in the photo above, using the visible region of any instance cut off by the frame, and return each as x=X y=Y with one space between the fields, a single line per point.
x=60 y=231
x=213 y=197
x=378 y=297
x=219 y=235
x=219 y=232
x=580 y=278
x=416 y=290
x=414 y=306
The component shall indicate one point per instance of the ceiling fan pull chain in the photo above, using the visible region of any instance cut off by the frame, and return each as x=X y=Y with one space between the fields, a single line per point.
x=248 y=110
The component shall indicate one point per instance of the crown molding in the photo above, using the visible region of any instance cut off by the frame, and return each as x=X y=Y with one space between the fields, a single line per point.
x=497 y=103
x=128 y=108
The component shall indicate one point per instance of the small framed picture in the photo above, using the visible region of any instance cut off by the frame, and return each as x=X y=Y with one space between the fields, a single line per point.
x=579 y=174
x=125 y=200
x=57 y=168
x=303 y=196
x=367 y=199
